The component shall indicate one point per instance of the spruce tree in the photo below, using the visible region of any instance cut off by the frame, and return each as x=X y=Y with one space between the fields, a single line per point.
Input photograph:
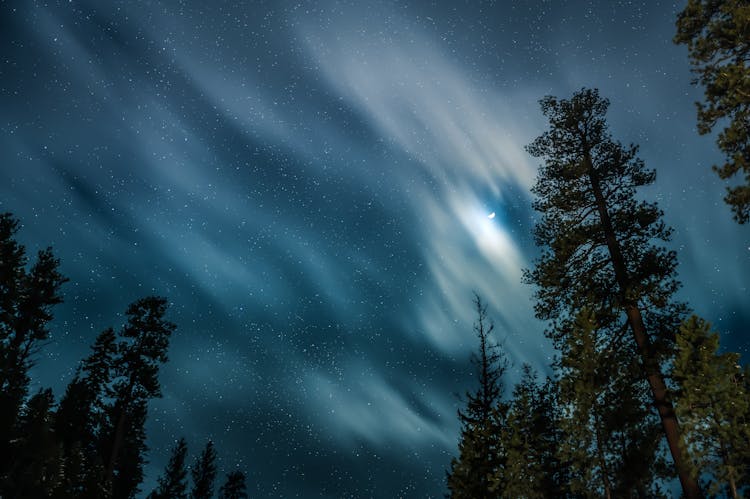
x=717 y=34
x=713 y=406
x=480 y=454
x=234 y=487
x=27 y=295
x=599 y=247
x=204 y=473
x=173 y=483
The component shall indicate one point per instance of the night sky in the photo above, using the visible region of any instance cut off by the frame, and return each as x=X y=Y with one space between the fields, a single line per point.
x=309 y=184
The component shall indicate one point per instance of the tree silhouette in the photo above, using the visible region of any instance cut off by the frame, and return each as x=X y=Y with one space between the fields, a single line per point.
x=717 y=34
x=204 y=473
x=234 y=487
x=173 y=483
x=480 y=454
x=141 y=350
x=598 y=247
x=27 y=296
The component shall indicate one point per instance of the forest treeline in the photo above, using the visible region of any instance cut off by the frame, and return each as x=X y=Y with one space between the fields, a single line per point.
x=91 y=443
x=640 y=393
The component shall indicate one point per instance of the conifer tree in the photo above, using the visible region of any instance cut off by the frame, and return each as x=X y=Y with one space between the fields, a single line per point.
x=204 y=473
x=609 y=433
x=480 y=454
x=142 y=348
x=599 y=247
x=27 y=296
x=234 y=487
x=81 y=418
x=531 y=439
x=713 y=406
x=717 y=34
x=173 y=483
x=36 y=461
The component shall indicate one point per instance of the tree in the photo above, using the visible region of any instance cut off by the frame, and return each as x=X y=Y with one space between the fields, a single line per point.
x=717 y=34
x=531 y=438
x=599 y=250
x=80 y=420
x=713 y=406
x=204 y=473
x=609 y=433
x=141 y=350
x=480 y=454
x=234 y=487
x=173 y=483
x=36 y=460
x=27 y=296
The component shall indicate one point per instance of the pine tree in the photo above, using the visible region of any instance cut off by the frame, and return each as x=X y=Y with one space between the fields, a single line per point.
x=204 y=473
x=531 y=438
x=713 y=406
x=27 y=296
x=598 y=247
x=234 y=487
x=471 y=474
x=142 y=348
x=173 y=483
x=609 y=433
x=717 y=34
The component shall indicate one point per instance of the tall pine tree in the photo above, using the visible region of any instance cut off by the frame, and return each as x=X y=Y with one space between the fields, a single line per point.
x=480 y=454
x=598 y=247
x=142 y=348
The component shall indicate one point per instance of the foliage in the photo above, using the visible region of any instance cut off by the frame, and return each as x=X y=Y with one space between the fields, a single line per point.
x=480 y=450
x=173 y=483
x=204 y=473
x=234 y=487
x=713 y=406
x=601 y=251
x=717 y=34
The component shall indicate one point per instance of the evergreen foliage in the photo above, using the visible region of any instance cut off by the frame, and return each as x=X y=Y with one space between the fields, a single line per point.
x=714 y=409
x=173 y=483
x=234 y=487
x=27 y=295
x=480 y=450
x=717 y=34
x=204 y=473
x=531 y=438
x=600 y=251
x=93 y=443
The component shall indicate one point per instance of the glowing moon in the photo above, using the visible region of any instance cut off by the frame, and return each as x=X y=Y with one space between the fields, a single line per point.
x=491 y=215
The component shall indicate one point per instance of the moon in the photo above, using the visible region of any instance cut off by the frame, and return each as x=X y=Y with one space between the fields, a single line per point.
x=491 y=215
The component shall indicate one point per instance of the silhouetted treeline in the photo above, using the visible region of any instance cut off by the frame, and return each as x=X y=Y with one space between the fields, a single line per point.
x=640 y=393
x=92 y=444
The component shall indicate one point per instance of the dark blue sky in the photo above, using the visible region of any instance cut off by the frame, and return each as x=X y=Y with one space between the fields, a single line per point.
x=309 y=184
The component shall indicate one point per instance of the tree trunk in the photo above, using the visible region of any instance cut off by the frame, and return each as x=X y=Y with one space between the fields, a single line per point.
x=635 y=319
